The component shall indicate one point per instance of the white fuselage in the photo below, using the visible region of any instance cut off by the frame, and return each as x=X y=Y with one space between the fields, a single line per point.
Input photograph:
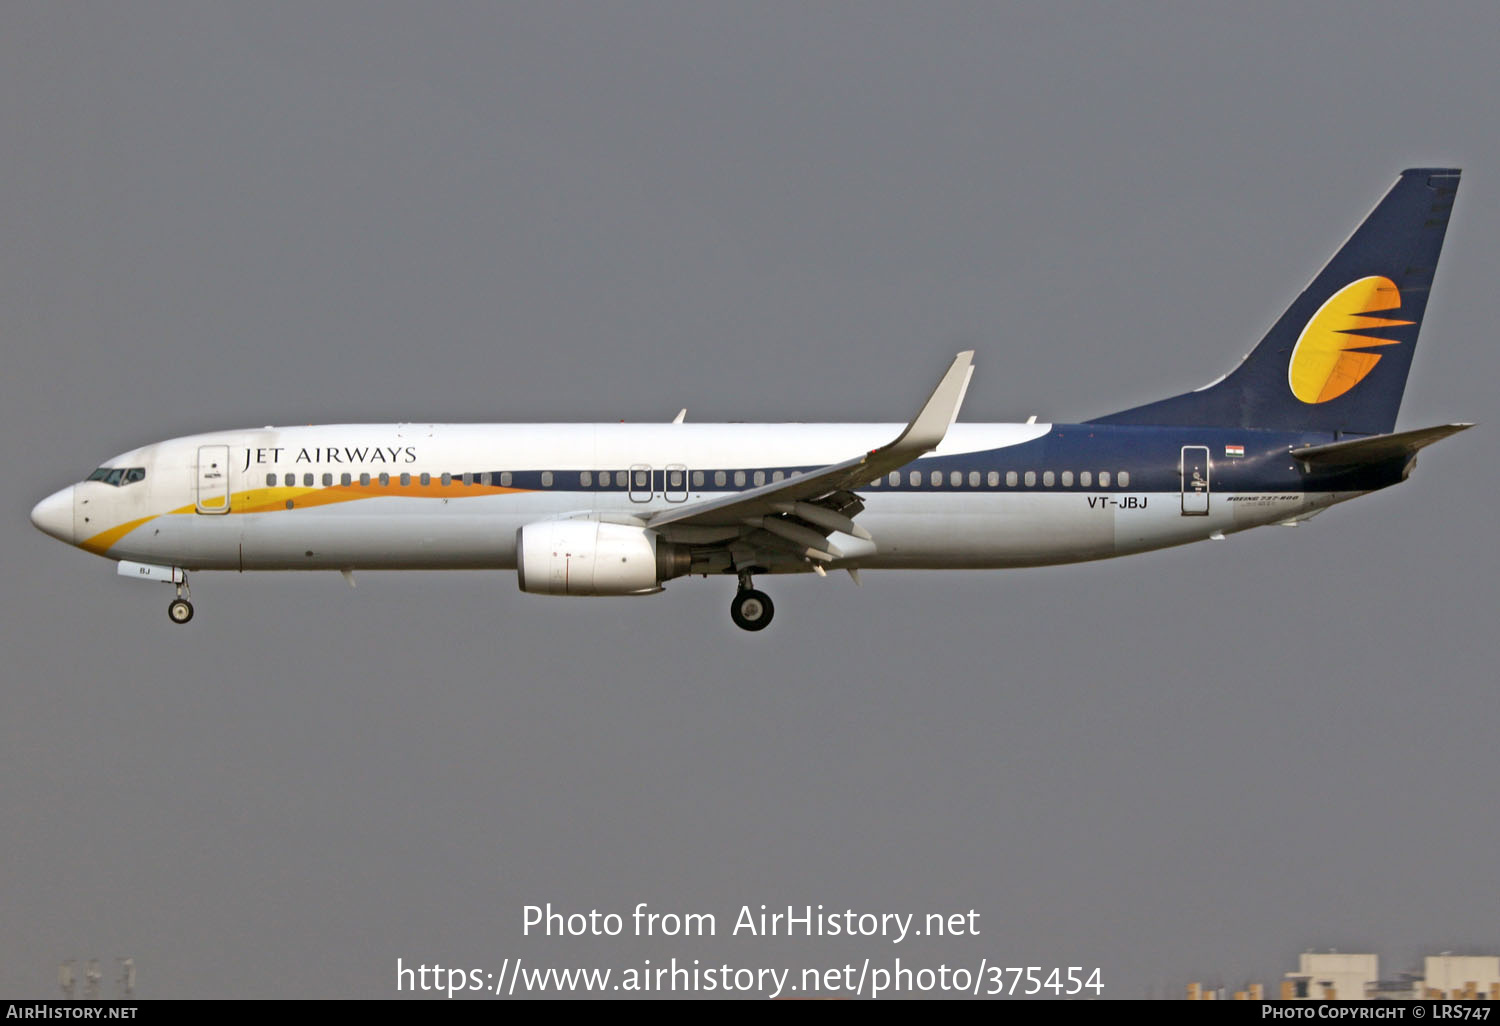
x=375 y=496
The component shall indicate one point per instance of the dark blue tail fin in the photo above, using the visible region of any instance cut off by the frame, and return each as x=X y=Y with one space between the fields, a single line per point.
x=1337 y=359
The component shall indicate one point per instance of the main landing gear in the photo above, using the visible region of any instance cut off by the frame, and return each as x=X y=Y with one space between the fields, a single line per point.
x=181 y=610
x=751 y=610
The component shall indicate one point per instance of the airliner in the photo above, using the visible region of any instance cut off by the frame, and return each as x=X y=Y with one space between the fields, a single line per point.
x=1305 y=421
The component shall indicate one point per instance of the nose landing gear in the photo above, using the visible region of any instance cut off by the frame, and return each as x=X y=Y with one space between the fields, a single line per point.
x=751 y=610
x=181 y=610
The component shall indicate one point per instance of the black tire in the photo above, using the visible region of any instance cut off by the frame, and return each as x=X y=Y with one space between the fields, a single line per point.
x=752 y=610
x=180 y=611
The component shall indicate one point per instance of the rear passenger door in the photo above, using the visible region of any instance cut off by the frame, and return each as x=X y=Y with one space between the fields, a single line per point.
x=1195 y=488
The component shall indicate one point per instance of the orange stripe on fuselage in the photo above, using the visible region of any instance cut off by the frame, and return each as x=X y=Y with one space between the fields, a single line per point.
x=101 y=542
x=271 y=500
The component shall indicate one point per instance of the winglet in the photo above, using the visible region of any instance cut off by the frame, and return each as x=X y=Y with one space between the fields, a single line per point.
x=926 y=431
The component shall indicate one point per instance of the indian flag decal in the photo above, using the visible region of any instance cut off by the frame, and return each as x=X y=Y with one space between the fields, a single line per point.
x=1234 y=450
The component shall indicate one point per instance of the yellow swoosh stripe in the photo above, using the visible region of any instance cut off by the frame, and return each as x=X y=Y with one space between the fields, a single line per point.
x=101 y=542
x=270 y=500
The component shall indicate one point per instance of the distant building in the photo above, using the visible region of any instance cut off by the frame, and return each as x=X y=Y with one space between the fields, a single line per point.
x=1405 y=986
x=1334 y=975
x=1462 y=976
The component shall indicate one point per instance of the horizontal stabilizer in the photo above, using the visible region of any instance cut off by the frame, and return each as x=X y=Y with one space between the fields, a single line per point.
x=1376 y=449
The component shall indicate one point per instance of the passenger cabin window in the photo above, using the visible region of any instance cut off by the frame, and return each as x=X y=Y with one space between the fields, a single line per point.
x=1049 y=478
x=1010 y=478
x=720 y=478
x=1030 y=478
x=956 y=478
x=1103 y=479
x=505 y=479
x=364 y=479
x=327 y=480
x=586 y=478
x=914 y=478
x=973 y=479
x=739 y=479
x=426 y=479
x=760 y=478
x=697 y=479
x=993 y=478
x=1086 y=478
x=270 y=480
x=1067 y=479
x=307 y=480
x=405 y=480
x=345 y=479
x=546 y=479
x=1124 y=479
x=385 y=479
x=777 y=475
x=894 y=477
x=446 y=479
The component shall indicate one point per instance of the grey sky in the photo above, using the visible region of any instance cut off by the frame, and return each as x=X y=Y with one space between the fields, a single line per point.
x=1190 y=764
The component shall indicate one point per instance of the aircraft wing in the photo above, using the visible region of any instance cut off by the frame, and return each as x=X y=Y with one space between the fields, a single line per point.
x=812 y=497
x=1377 y=448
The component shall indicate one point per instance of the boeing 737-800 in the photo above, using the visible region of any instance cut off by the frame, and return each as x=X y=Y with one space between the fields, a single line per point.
x=1305 y=421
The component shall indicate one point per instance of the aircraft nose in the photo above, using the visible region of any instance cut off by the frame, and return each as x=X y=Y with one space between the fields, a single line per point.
x=54 y=515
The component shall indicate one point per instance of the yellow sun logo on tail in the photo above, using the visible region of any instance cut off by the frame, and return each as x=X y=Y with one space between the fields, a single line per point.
x=1324 y=363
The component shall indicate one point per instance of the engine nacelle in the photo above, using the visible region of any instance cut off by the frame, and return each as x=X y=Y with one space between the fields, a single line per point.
x=587 y=557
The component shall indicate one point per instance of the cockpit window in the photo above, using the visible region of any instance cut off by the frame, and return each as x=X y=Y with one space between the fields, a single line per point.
x=118 y=476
